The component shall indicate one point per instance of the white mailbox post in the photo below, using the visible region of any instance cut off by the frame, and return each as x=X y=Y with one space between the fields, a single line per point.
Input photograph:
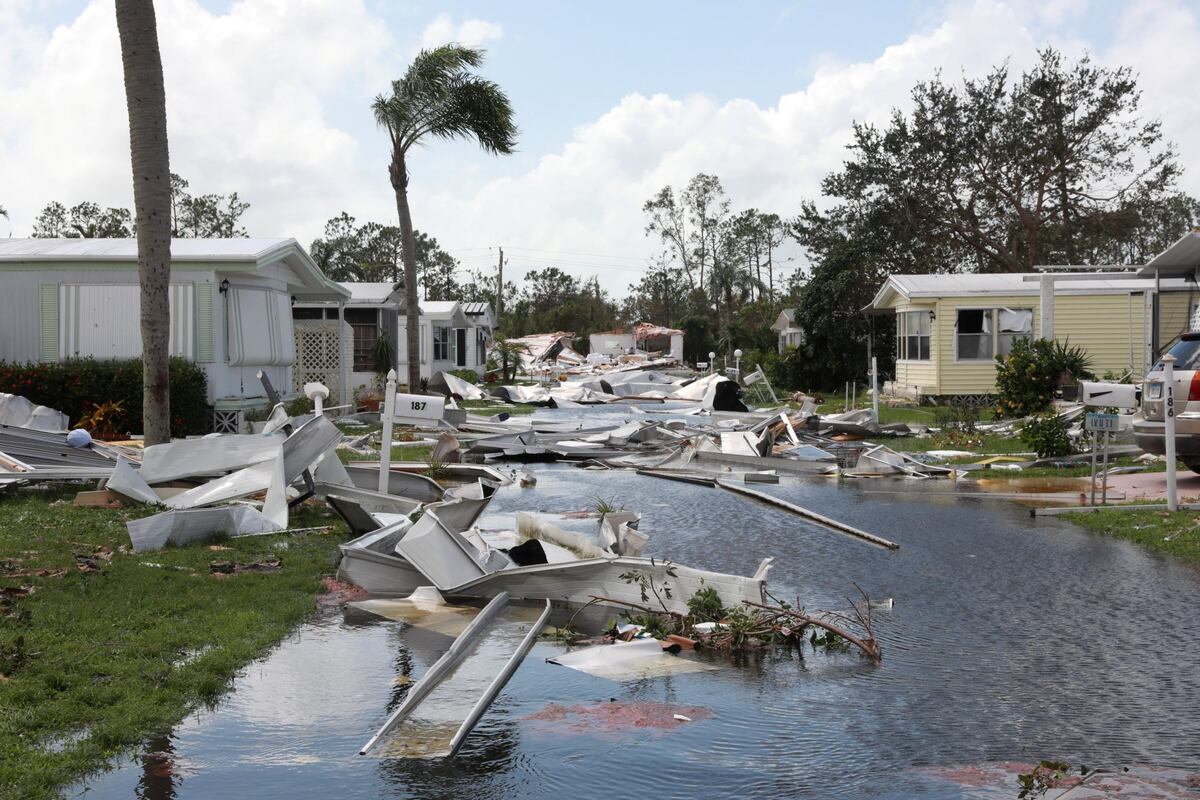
x=1104 y=395
x=407 y=409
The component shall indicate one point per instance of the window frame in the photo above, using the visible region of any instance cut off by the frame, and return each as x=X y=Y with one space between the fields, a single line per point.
x=441 y=349
x=902 y=335
x=994 y=320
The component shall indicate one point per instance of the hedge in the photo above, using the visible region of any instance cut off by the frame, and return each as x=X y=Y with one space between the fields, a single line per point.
x=78 y=385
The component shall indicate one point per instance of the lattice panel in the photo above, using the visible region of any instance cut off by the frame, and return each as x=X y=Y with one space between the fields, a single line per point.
x=318 y=358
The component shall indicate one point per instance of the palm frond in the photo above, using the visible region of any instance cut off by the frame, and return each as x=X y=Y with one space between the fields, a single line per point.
x=439 y=96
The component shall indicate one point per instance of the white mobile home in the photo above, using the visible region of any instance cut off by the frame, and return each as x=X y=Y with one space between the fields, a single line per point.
x=230 y=307
x=453 y=335
x=790 y=334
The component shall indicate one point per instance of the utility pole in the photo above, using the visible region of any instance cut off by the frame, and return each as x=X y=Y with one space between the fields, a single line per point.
x=500 y=287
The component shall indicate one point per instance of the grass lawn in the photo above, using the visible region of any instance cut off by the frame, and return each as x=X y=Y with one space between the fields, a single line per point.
x=1177 y=534
x=981 y=443
x=488 y=408
x=94 y=663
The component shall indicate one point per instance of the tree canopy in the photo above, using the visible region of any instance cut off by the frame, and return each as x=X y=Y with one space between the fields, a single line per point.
x=203 y=216
x=1001 y=173
x=372 y=252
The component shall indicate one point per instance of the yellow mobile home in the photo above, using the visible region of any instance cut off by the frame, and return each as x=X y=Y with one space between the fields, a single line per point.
x=951 y=327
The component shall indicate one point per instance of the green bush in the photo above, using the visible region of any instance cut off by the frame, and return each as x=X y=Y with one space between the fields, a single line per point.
x=468 y=375
x=76 y=386
x=1047 y=436
x=1026 y=378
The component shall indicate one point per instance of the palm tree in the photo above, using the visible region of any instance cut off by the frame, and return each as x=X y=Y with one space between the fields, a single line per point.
x=3 y=212
x=145 y=99
x=439 y=97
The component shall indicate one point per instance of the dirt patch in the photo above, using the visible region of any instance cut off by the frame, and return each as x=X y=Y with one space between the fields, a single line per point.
x=338 y=593
x=615 y=716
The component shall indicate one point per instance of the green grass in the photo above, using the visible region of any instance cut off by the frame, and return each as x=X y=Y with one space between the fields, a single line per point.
x=489 y=408
x=400 y=452
x=924 y=415
x=1176 y=534
x=982 y=443
x=97 y=663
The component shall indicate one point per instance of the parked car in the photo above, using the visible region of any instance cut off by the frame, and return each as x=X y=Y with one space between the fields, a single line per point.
x=1148 y=422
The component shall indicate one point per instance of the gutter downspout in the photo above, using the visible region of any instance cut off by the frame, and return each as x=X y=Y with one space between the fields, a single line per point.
x=1155 y=314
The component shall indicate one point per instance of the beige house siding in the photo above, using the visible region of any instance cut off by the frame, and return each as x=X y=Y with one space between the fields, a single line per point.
x=1174 y=308
x=971 y=377
x=1109 y=327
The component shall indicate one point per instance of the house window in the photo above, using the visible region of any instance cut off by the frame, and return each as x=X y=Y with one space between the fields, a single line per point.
x=912 y=336
x=1012 y=324
x=364 y=322
x=441 y=343
x=982 y=333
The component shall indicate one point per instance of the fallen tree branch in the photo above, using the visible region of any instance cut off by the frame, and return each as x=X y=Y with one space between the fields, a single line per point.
x=868 y=646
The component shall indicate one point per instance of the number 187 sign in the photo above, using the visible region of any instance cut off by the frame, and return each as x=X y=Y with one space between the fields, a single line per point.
x=419 y=406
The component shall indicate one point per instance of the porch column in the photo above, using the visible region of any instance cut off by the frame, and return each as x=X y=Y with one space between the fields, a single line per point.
x=343 y=365
x=1047 y=310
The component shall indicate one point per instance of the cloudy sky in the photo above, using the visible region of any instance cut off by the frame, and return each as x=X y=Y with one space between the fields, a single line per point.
x=271 y=98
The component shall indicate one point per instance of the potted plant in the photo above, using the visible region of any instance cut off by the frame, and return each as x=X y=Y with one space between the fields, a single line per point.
x=368 y=398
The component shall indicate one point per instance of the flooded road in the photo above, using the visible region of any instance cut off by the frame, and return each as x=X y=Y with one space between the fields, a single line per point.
x=1010 y=639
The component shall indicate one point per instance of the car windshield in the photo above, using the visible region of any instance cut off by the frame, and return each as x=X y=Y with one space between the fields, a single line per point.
x=1186 y=352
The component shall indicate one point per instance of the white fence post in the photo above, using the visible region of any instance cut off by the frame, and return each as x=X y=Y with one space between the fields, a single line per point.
x=1169 y=429
x=385 y=441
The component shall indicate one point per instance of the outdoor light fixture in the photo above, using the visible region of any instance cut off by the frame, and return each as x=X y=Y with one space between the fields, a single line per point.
x=224 y=287
x=737 y=361
x=712 y=362
x=932 y=315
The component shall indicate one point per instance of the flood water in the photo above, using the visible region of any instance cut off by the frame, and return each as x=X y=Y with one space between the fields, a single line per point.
x=1010 y=639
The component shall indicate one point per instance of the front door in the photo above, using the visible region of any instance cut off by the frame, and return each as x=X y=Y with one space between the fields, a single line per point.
x=460 y=339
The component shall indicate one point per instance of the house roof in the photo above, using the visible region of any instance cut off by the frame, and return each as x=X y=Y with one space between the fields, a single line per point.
x=917 y=287
x=785 y=320
x=374 y=293
x=255 y=253
x=380 y=293
x=1181 y=258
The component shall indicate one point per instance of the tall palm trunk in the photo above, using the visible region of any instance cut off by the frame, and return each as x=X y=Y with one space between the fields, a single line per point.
x=145 y=98
x=398 y=172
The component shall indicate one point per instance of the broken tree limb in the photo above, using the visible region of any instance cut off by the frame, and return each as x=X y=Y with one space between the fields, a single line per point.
x=869 y=646
x=811 y=516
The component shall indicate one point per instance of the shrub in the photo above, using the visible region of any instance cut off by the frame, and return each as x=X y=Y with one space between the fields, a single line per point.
x=1026 y=378
x=78 y=387
x=1029 y=375
x=960 y=417
x=468 y=375
x=1047 y=436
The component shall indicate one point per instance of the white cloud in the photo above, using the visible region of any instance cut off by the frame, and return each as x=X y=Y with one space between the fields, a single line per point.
x=471 y=32
x=269 y=99
x=247 y=97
